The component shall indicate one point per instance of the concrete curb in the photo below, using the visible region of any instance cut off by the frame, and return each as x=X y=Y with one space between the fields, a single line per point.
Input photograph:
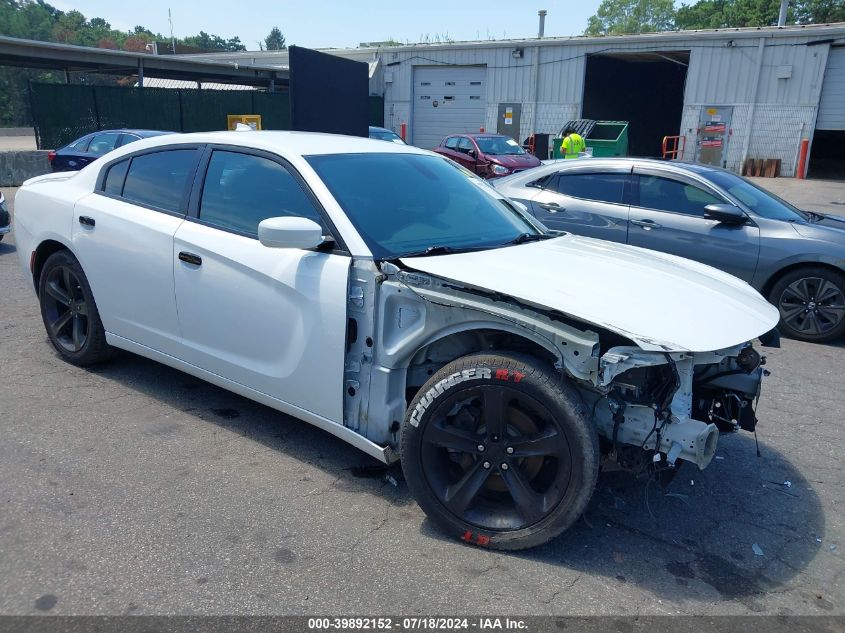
x=17 y=166
x=17 y=131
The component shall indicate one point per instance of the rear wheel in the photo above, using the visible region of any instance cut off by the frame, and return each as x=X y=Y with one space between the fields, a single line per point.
x=499 y=451
x=69 y=311
x=811 y=302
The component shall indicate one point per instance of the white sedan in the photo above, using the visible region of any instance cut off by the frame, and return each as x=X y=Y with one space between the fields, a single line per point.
x=385 y=295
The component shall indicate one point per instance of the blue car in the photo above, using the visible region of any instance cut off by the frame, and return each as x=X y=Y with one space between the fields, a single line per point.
x=76 y=155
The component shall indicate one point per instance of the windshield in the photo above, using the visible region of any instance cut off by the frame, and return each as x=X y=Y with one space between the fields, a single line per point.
x=404 y=204
x=763 y=203
x=498 y=145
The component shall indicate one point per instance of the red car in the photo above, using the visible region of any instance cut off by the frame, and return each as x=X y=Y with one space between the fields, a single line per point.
x=488 y=155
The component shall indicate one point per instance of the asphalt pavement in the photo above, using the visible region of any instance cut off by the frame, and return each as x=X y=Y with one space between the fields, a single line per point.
x=133 y=488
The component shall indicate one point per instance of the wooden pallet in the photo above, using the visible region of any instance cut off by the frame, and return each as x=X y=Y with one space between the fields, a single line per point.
x=765 y=167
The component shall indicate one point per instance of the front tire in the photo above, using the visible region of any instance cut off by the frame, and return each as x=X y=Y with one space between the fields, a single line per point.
x=811 y=301
x=499 y=451
x=69 y=312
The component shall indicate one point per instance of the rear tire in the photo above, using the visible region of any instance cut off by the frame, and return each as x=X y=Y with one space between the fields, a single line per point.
x=811 y=301
x=499 y=451
x=70 y=313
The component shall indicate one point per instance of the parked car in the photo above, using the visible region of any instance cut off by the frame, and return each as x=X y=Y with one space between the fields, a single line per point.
x=383 y=134
x=5 y=218
x=794 y=258
x=382 y=293
x=488 y=155
x=85 y=150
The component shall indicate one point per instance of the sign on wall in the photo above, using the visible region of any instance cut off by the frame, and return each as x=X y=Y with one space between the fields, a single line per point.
x=714 y=132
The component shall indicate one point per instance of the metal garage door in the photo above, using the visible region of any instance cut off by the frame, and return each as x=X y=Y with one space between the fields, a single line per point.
x=832 y=103
x=447 y=100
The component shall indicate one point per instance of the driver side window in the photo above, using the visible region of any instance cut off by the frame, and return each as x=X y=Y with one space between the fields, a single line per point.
x=465 y=145
x=665 y=194
x=241 y=190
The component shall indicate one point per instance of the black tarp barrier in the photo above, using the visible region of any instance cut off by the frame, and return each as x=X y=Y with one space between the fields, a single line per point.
x=328 y=93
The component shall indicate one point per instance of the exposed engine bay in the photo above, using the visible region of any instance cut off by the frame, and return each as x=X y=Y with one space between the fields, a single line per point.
x=672 y=406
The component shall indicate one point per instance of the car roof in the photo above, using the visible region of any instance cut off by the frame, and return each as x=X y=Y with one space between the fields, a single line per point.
x=144 y=133
x=586 y=163
x=301 y=143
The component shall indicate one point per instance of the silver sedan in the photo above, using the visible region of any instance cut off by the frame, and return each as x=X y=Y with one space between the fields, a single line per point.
x=795 y=258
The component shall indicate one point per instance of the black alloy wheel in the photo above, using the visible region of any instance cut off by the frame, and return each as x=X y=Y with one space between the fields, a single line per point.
x=69 y=311
x=496 y=457
x=65 y=309
x=811 y=302
x=499 y=451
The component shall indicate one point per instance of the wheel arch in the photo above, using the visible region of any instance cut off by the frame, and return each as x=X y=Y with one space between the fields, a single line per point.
x=767 y=286
x=40 y=255
x=449 y=344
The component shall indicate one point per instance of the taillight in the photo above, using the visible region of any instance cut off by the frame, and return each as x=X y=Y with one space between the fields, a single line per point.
x=51 y=155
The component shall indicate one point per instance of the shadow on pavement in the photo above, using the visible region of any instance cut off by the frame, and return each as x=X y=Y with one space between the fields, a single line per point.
x=738 y=526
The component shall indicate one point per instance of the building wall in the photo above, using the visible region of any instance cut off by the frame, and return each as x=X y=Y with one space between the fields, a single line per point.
x=771 y=113
x=775 y=110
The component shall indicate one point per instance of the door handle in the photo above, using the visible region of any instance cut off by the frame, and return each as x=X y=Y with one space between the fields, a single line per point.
x=190 y=258
x=647 y=224
x=84 y=220
x=551 y=207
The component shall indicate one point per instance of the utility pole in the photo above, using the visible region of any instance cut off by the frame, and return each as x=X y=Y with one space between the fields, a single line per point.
x=172 y=39
x=784 y=5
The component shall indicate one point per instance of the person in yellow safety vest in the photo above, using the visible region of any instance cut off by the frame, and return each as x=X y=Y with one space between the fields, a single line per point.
x=573 y=143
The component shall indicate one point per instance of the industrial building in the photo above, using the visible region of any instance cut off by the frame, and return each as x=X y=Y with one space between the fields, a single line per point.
x=730 y=94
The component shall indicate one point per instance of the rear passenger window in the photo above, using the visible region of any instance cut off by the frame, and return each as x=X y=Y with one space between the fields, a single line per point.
x=159 y=179
x=115 y=177
x=452 y=142
x=242 y=189
x=80 y=145
x=103 y=143
x=599 y=187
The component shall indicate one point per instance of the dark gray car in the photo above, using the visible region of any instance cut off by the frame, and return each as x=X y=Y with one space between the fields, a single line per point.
x=794 y=258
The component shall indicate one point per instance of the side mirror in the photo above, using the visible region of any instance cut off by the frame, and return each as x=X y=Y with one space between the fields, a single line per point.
x=472 y=153
x=725 y=213
x=290 y=232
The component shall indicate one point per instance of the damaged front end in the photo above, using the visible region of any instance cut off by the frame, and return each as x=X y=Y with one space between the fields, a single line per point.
x=654 y=408
x=650 y=408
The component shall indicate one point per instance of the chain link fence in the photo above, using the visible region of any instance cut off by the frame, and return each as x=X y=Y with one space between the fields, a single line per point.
x=63 y=112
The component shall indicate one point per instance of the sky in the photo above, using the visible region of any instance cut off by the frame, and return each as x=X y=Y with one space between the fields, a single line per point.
x=343 y=23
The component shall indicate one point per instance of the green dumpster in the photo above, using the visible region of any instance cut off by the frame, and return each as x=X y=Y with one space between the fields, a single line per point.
x=609 y=138
x=605 y=138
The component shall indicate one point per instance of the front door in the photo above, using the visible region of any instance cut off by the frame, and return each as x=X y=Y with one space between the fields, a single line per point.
x=667 y=215
x=271 y=319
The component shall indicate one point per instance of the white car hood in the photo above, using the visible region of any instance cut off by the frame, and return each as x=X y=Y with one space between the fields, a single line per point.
x=661 y=302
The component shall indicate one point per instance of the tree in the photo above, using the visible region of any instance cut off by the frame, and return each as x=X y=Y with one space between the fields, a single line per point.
x=275 y=41
x=720 y=14
x=632 y=16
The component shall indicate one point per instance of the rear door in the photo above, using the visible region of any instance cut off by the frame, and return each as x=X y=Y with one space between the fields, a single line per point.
x=123 y=236
x=271 y=319
x=667 y=215
x=589 y=202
